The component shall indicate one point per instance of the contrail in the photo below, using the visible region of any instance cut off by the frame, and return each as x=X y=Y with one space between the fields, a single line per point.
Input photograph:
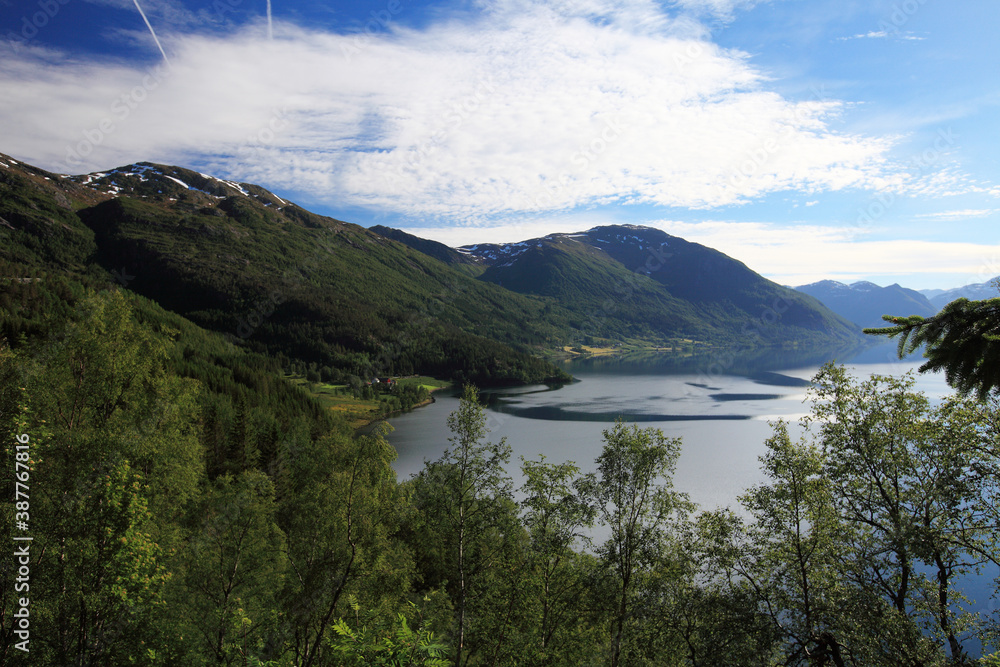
x=270 y=32
x=153 y=32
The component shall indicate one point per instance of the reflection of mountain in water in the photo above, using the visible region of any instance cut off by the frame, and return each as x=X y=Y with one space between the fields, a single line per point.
x=559 y=413
x=743 y=362
x=779 y=380
x=663 y=387
x=745 y=397
x=882 y=354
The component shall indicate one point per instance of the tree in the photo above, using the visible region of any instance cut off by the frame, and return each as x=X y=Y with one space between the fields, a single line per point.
x=235 y=565
x=698 y=612
x=963 y=339
x=903 y=479
x=465 y=497
x=340 y=508
x=634 y=498
x=789 y=553
x=114 y=463
x=555 y=514
x=868 y=521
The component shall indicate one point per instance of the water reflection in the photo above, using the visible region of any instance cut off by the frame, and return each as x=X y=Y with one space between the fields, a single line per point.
x=742 y=362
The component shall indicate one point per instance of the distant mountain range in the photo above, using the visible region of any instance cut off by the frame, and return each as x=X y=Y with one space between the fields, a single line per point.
x=238 y=260
x=864 y=303
x=973 y=292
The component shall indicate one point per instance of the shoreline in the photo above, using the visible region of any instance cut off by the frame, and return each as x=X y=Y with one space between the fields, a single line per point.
x=385 y=417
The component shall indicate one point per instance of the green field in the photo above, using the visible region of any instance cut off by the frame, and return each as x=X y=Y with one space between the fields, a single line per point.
x=358 y=412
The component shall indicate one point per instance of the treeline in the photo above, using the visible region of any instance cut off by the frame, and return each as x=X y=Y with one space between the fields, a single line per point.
x=227 y=521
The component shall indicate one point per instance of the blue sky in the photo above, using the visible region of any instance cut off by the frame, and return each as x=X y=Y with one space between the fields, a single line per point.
x=810 y=139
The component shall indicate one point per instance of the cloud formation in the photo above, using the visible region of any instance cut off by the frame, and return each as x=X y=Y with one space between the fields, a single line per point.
x=885 y=34
x=807 y=253
x=524 y=108
x=958 y=215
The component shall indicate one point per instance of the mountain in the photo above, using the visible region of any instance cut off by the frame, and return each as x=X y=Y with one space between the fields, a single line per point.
x=435 y=249
x=974 y=292
x=628 y=280
x=865 y=303
x=279 y=280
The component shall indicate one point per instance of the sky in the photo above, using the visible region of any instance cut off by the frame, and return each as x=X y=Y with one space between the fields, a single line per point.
x=810 y=139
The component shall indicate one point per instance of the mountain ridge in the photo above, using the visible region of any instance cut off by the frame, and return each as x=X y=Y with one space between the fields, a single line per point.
x=864 y=302
x=972 y=291
x=240 y=260
x=237 y=259
x=661 y=284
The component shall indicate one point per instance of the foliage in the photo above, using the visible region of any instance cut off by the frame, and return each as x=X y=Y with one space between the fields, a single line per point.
x=633 y=496
x=464 y=497
x=871 y=524
x=389 y=645
x=557 y=516
x=235 y=564
x=342 y=507
x=963 y=340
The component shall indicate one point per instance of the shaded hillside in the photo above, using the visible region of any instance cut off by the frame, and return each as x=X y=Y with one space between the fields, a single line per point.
x=639 y=280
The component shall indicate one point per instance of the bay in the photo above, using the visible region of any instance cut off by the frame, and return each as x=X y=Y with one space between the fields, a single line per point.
x=720 y=406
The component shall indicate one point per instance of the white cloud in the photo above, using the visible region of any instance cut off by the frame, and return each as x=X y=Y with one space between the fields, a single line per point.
x=523 y=109
x=802 y=254
x=719 y=8
x=954 y=216
x=872 y=34
x=885 y=34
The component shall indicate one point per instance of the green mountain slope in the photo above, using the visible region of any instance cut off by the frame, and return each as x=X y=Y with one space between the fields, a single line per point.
x=615 y=302
x=276 y=278
x=284 y=282
x=639 y=280
x=435 y=249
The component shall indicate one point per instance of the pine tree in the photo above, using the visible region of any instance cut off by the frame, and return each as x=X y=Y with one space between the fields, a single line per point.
x=963 y=340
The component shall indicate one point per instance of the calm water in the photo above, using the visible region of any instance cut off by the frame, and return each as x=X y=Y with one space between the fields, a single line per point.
x=719 y=407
